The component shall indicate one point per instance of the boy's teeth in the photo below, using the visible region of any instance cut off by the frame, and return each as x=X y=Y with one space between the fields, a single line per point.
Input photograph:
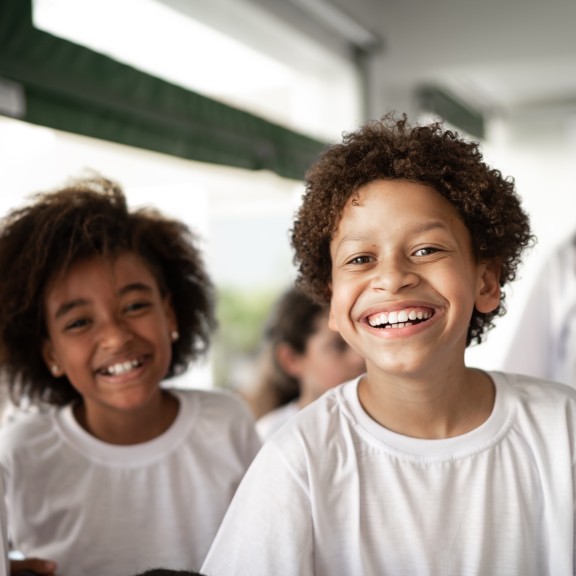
x=399 y=318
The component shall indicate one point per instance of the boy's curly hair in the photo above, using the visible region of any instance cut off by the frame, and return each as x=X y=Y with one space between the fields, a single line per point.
x=88 y=218
x=392 y=149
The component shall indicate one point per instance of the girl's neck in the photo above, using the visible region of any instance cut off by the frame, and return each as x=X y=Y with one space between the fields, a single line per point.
x=431 y=409
x=130 y=427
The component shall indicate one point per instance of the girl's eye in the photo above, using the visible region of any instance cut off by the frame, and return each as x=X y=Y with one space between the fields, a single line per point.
x=137 y=306
x=77 y=324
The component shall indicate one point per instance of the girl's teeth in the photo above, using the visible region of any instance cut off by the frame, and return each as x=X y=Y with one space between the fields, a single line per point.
x=122 y=367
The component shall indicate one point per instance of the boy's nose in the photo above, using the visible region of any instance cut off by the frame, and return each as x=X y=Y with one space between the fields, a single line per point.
x=394 y=274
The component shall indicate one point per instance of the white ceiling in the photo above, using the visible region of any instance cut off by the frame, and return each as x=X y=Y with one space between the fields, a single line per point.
x=500 y=56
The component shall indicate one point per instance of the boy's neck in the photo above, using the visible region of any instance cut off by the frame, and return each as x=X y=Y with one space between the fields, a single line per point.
x=429 y=410
x=127 y=428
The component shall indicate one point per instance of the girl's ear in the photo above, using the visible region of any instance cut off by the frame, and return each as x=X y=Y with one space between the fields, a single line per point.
x=170 y=315
x=51 y=358
x=288 y=359
x=488 y=292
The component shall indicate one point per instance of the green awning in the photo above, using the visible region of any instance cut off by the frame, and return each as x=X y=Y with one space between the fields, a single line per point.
x=71 y=88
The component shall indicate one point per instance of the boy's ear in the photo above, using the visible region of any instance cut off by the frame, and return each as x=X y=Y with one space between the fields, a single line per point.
x=288 y=359
x=488 y=294
x=332 y=320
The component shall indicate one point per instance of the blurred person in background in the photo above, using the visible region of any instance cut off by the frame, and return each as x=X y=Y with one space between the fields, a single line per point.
x=544 y=344
x=305 y=358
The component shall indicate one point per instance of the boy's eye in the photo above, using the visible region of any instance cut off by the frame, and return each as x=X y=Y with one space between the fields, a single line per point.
x=360 y=260
x=426 y=251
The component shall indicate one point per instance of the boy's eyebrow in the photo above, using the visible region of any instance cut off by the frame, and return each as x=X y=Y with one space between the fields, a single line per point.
x=71 y=304
x=425 y=227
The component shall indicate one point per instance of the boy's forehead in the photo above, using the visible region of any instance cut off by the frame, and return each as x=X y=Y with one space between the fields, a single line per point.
x=386 y=203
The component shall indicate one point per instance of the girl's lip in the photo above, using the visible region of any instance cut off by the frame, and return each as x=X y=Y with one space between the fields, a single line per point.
x=119 y=367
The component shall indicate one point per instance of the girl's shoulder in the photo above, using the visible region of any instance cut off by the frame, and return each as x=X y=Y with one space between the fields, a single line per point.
x=25 y=428
x=218 y=400
x=29 y=419
x=221 y=415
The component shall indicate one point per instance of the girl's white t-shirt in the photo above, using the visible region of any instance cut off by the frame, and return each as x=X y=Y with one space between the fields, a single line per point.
x=97 y=508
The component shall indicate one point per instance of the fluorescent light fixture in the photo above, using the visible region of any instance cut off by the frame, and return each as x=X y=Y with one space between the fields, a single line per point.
x=156 y=39
x=332 y=17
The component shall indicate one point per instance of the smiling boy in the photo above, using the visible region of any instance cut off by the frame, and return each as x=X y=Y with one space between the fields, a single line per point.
x=421 y=466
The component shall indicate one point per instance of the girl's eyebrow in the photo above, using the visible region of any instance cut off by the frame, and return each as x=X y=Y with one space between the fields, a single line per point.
x=135 y=287
x=76 y=303
x=70 y=305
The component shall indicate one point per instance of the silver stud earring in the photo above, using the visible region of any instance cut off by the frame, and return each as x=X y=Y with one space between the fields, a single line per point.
x=174 y=335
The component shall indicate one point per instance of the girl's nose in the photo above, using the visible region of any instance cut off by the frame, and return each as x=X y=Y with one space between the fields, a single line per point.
x=114 y=335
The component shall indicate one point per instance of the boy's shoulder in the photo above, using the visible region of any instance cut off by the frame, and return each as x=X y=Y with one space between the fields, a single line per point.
x=323 y=420
x=539 y=404
x=539 y=391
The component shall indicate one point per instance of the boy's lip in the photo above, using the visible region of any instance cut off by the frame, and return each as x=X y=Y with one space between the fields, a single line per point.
x=410 y=315
x=392 y=313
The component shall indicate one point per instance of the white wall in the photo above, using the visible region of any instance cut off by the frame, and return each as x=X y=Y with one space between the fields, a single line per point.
x=538 y=148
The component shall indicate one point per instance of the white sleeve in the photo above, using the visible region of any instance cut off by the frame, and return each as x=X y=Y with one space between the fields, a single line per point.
x=245 y=434
x=4 y=569
x=268 y=527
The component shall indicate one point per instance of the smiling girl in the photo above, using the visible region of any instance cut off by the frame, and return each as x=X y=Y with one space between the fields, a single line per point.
x=98 y=305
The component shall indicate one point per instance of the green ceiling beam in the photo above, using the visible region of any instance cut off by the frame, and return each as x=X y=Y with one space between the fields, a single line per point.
x=71 y=88
x=438 y=101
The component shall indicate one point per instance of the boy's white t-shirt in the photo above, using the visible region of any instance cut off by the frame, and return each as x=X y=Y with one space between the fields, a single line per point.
x=99 y=509
x=335 y=494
